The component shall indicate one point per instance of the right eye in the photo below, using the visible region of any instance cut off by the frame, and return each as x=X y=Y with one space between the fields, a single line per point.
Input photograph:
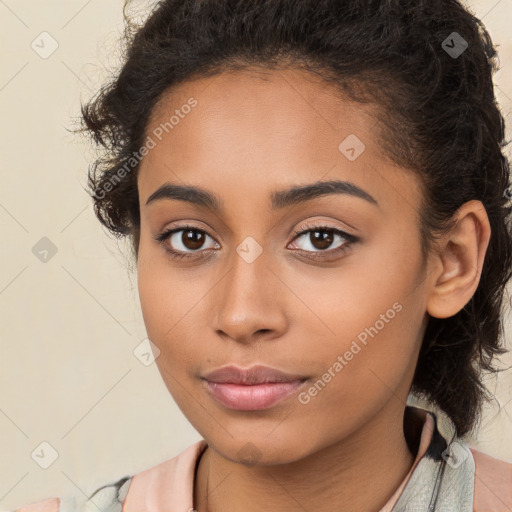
x=183 y=241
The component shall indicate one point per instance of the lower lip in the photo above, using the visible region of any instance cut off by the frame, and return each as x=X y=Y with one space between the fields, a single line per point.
x=252 y=398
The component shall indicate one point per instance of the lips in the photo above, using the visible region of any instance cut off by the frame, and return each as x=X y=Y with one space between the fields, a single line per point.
x=251 y=389
x=258 y=374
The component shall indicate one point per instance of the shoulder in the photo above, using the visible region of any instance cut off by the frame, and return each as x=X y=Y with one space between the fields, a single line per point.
x=169 y=484
x=493 y=483
x=47 y=505
x=107 y=497
x=169 y=480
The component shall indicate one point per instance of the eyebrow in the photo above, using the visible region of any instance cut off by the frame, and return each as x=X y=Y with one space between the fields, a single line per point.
x=279 y=199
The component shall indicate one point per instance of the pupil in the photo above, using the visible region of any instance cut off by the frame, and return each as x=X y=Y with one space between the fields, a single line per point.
x=190 y=238
x=325 y=239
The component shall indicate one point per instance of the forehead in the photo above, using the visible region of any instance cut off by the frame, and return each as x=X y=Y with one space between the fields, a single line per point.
x=253 y=102
x=260 y=129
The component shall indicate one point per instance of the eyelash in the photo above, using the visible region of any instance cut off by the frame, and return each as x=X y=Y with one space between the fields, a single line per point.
x=302 y=230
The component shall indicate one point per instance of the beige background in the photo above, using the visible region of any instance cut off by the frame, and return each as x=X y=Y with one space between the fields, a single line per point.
x=69 y=326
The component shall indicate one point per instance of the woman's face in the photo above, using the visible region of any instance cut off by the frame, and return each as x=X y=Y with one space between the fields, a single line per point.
x=346 y=313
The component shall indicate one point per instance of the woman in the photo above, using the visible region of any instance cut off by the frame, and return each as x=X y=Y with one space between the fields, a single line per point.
x=318 y=204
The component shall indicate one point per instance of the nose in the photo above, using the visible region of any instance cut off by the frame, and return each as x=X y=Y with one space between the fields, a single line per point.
x=250 y=302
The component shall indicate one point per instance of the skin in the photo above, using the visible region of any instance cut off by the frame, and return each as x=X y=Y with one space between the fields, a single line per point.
x=250 y=134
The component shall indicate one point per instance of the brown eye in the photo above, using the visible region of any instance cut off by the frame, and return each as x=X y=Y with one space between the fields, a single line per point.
x=184 y=241
x=320 y=239
x=192 y=239
x=317 y=241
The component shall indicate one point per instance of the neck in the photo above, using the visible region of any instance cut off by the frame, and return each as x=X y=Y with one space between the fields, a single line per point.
x=375 y=457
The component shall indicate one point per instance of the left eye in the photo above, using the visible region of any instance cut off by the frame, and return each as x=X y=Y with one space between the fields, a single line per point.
x=322 y=237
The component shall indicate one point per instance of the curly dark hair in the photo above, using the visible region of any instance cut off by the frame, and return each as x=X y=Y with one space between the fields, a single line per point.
x=438 y=118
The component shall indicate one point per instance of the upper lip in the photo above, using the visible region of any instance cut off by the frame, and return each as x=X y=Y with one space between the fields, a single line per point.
x=258 y=374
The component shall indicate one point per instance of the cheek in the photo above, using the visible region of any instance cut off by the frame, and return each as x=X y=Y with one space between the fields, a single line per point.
x=357 y=378
x=168 y=327
x=373 y=318
x=159 y=290
x=170 y=304
x=153 y=304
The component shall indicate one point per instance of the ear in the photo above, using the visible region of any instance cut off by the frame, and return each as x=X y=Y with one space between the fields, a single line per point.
x=459 y=261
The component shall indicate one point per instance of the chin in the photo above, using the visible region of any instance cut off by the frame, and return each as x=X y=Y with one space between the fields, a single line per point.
x=260 y=450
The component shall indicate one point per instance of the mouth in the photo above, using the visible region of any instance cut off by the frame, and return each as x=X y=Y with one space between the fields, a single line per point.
x=255 y=388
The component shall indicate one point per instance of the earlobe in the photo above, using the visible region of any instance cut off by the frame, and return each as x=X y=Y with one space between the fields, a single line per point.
x=461 y=257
